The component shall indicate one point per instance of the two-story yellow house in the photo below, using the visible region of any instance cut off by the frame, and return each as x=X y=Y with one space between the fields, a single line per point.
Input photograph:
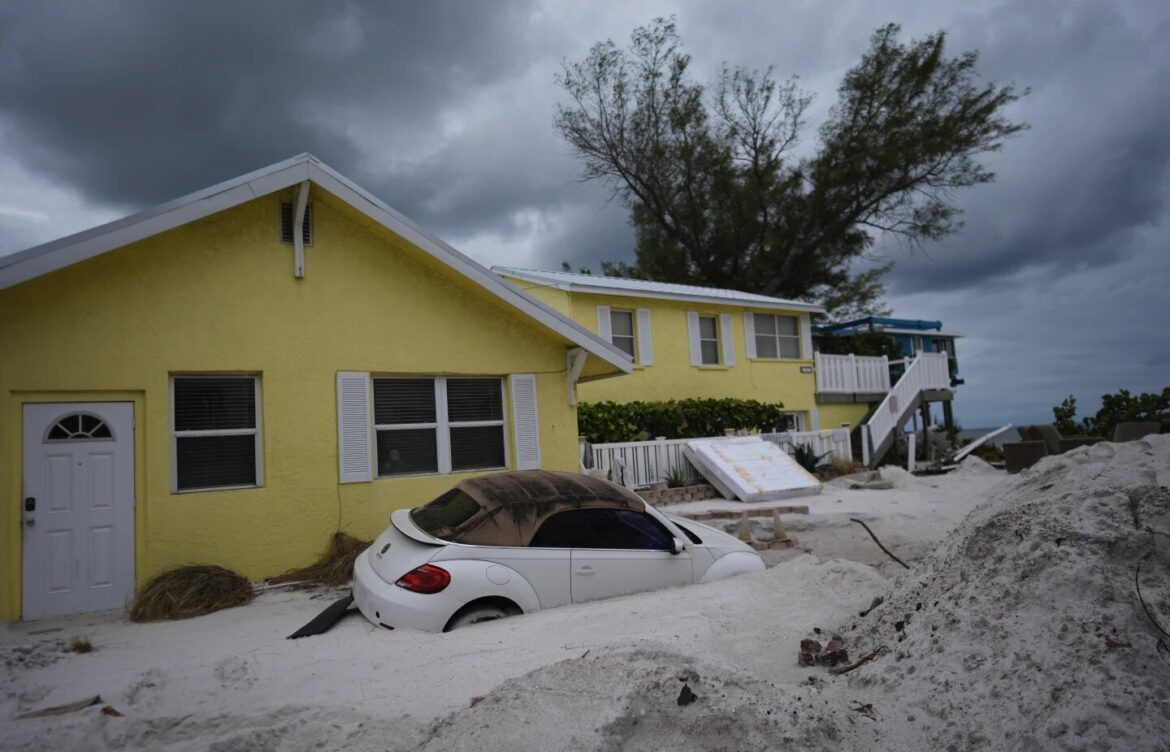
x=687 y=341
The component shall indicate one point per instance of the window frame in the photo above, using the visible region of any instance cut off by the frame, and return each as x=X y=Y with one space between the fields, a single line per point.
x=632 y=336
x=714 y=317
x=257 y=433
x=609 y=512
x=776 y=336
x=442 y=425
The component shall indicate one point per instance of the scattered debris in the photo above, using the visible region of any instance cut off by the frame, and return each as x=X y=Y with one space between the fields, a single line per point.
x=686 y=696
x=335 y=567
x=860 y=662
x=190 y=591
x=866 y=709
x=877 y=601
x=833 y=653
x=878 y=542
x=110 y=710
x=475 y=701
x=62 y=709
x=81 y=645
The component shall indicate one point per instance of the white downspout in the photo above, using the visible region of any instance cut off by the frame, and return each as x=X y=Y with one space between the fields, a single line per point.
x=299 y=230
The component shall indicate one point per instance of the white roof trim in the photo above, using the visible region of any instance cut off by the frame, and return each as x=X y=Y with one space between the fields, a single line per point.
x=655 y=291
x=39 y=260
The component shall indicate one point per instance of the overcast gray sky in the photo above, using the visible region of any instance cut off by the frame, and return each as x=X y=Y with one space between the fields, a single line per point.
x=444 y=109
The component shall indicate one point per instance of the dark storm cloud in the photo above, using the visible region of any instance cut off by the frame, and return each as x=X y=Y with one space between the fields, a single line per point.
x=133 y=103
x=444 y=110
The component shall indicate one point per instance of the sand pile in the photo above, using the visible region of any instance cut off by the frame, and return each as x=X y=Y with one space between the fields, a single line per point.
x=1024 y=630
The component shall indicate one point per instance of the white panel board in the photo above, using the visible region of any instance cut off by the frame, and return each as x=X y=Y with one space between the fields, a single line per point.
x=752 y=469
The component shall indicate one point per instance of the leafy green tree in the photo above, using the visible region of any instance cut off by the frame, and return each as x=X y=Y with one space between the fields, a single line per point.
x=717 y=194
x=1122 y=407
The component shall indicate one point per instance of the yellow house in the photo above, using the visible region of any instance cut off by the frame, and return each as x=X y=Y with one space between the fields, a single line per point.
x=687 y=341
x=233 y=376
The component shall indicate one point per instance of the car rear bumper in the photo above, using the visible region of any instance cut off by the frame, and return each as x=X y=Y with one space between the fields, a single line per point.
x=387 y=605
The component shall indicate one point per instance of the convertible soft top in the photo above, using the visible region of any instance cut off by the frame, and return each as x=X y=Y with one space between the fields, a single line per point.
x=506 y=509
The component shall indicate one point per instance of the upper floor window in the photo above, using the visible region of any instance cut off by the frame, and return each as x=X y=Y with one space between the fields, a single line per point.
x=709 y=340
x=777 y=336
x=438 y=425
x=215 y=440
x=621 y=328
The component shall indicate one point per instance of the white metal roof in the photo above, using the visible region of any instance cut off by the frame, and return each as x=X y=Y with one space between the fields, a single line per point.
x=42 y=259
x=638 y=288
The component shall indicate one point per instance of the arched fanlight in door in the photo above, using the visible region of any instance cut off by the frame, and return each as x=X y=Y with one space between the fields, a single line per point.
x=79 y=427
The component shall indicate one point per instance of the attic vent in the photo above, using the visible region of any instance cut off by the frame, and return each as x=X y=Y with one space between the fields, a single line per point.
x=286 y=223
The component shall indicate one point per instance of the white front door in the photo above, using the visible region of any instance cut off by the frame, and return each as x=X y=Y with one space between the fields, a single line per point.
x=77 y=507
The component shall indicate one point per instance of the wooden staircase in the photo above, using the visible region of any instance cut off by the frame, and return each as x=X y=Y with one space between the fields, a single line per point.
x=926 y=379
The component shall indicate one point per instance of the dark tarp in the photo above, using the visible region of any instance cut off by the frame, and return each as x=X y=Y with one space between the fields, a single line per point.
x=506 y=509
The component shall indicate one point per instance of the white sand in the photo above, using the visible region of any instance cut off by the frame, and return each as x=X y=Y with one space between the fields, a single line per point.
x=1014 y=660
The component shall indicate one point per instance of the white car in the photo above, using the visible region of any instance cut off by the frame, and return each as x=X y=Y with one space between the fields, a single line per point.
x=519 y=542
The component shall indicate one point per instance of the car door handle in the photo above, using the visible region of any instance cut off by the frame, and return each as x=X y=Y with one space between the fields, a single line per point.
x=583 y=570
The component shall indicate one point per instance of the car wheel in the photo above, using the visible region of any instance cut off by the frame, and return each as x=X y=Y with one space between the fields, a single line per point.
x=480 y=612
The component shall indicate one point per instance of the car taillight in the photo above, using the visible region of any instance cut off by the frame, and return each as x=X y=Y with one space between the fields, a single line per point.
x=425 y=579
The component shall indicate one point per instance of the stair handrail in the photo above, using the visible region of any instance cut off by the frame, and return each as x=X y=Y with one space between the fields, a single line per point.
x=923 y=373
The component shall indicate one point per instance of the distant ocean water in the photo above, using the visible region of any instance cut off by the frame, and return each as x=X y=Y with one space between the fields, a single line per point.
x=970 y=434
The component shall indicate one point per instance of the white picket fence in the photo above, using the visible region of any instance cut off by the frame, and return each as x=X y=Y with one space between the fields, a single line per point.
x=649 y=462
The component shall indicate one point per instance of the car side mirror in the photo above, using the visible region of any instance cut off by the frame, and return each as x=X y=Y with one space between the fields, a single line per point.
x=676 y=546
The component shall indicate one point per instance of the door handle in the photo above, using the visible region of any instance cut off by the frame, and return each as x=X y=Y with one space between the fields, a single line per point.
x=29 y=523
x=585 y=570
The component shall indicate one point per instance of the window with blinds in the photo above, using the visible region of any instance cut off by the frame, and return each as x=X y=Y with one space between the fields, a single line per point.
x=216 y=432
x=777 y=336
x=621 y=328
x=709 y=340
x=437 y=425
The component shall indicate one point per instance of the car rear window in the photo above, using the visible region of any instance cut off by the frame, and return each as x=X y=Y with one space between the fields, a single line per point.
x=444 y=514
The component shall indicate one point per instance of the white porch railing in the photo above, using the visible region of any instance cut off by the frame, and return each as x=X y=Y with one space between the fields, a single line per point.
x=927 y=371
x=649 y=462
x=849 y=374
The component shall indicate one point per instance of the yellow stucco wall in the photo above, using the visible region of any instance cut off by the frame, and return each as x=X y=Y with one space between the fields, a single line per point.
x=218 y=295
x=673 y=377
x=833 y=415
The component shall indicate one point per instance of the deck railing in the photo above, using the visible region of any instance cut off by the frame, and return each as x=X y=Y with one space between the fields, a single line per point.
x=850 y=374
x=649 y=462
x=927 y=371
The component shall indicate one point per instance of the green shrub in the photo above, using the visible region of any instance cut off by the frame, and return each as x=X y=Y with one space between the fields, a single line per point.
x=676 y=479
x=807 y=458
x=602 y=422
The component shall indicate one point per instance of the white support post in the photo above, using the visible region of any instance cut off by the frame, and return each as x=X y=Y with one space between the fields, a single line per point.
x=574 y=364
x=911 y=447
x=299 y=230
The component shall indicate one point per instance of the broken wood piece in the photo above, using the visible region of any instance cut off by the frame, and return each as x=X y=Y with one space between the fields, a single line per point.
x=860 y=662
x=875 y=540
x=62 y=709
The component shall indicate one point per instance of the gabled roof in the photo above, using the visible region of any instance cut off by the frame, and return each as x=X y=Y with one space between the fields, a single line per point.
x=42 y=259
x=638 y=288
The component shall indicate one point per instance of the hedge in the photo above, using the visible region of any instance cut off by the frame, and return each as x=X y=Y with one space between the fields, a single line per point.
x=603 y=422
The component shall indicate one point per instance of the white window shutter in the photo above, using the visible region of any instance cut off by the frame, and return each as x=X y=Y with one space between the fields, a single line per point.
x=806 y=348
x=749 y=334
x=645 y=344
x=728 y=338
x=604 y=324
x=525 y=424
x=353 y=427
x=693 y=334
